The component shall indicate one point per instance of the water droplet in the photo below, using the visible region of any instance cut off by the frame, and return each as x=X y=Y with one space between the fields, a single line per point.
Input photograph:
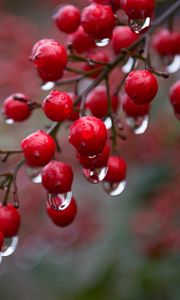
x=102 y=43
x=59 y=201
x=128 y=66
x=140 y=26
x=9 y=121
x=96 y=175
x=114 y=189
x=139 y=125
x=9 y=246
x=174 y=65
x=34 y=174
x=108 y=123
x=48 y=86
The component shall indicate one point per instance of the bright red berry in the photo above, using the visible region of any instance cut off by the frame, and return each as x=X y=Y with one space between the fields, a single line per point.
x=138 y=9
x=65 y=216
x=50 y=58
x=1 y=240
x=175 y=97
x=9 y=220
x=67 y=18
x=100 y=57
x=88 y=135
x=81 y=41
x=122 y=37
x=38 y=148
x=98 y=21
x=141 y=86
x=97 y=102
x=16 y=107
x=57 y=177
x=98 y=161
x=166 y=43
x=132 y=109
x=57 y=106
x=116 y=169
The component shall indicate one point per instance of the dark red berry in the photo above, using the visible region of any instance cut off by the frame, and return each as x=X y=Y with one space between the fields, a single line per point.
x=81 y=41
x=67 y=18
x=65 y=216
x=141 y=86
x=116 y=169
x=98 y=21
x=57 y=177
x=122 y=37
x=115 y=4
x=175 y=97
x=166 y=43
x=50 y=59
x=16 y=107
x=38 y=148
x=97 y=102
x=99 y=57
x=138 y=9
x=57 y=106
x=9 y=220
x=1 y=240
x=95 y=162
x=88 y=135
x=132 y=109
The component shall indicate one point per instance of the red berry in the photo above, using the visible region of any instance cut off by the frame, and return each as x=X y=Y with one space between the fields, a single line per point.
x=166 y=42
x=16 y=107
x=132 y=109
x=98 y=21
x=114 y=3
x=175 y=97
x=75 y=113
x=81 y=41
x=141 y=86
x=50 y=58
x=57 y=177
x=38 y=148
x=116 y=169
x=122 y=37
x=57 y=106
x=98 y=161
x=138 y=9
x=88 y=135
x=97 y=102
x=1 y=240
x=99 y=57
x=63 y=217
x=67 y=18
x=9 y=220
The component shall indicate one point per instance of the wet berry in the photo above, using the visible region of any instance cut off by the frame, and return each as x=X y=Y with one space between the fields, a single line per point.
x=100 y=57
x=67 y=18
x=116 y=169
x=138 y=9
x=98 y=161
x=9 y=220
x=166 y=43
x=122 y=37
x=81 y=41
x=175 y=97
x=16 y=107
x=132 y=109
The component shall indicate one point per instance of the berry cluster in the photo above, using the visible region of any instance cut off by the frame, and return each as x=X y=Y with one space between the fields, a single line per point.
x=97 y=116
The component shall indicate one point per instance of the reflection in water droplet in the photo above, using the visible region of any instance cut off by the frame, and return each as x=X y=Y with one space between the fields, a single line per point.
x=139 y=26
x=59 y=201
x=34 y=174
x=128 y=66
x=48 y=86
x=9 y=246
x=108 y=123
x=102 y=43
x=139 y=125
x=114 y=189
x=9 y=121
x=174 y=66
x=96 y=175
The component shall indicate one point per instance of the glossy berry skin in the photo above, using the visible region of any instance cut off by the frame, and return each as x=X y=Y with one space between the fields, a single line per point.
x=88 y=135
x=141 y=86
x=175 y=97
x=1 y=240
x=138 y=9
x=9 y=220
x=98 y=161
x=57 y=177
x=98 y=21
x=49 y=58
x=116 y=169
x=115 y=4
x=122 y=37
x=38 y=148
x=166 y=43
x=99 y=57
x=97 y=102
x=63 y=217
x=132 y=109
x=81 y=41
x=67 y=18
x=57 y=106
x=16 y=107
